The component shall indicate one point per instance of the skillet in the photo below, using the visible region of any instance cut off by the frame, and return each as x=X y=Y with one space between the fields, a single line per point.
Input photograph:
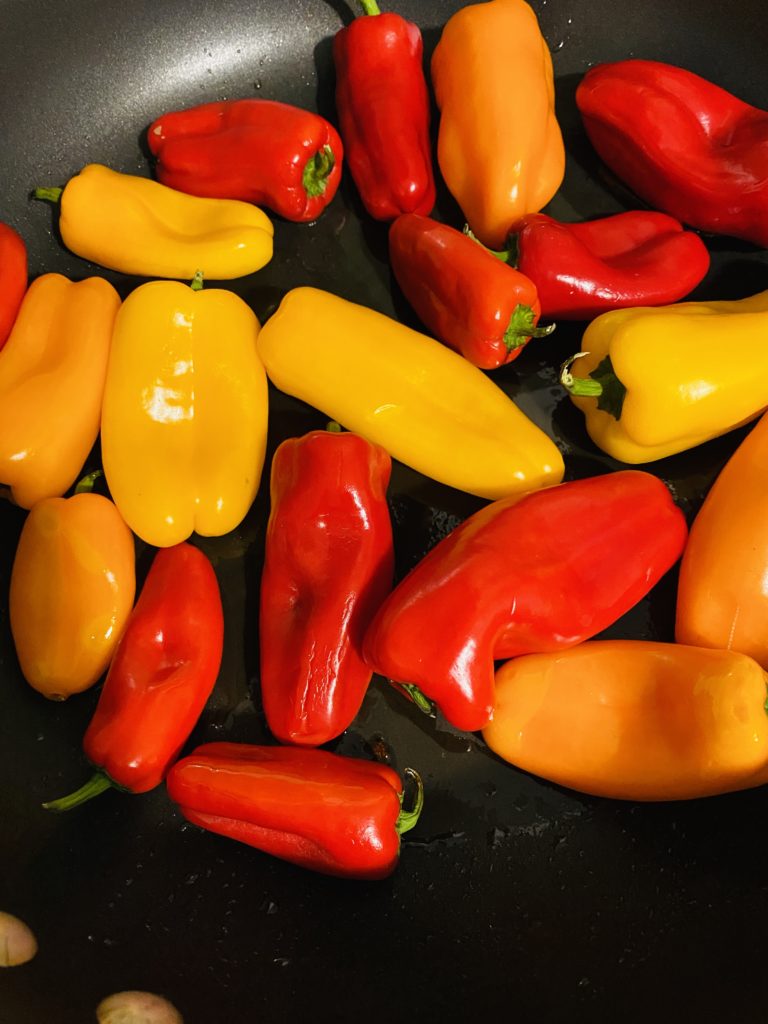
x=513 y=896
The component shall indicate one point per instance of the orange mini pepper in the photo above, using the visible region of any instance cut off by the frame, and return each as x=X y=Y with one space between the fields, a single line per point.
x=72 y=589
x=722 y=598
x=499 y=147
x=52 y=376
x=635 y=720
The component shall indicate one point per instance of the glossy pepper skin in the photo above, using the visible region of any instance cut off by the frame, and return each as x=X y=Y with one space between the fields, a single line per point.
x=499 y=147
x=52 y=376
x=13 y=278
x=335 y=815
x=541 y=572
x=464 y=295
x=653 y=382
x=425 y=405
x=260 y=151
x=722 y=598
x=328 y=566
x=383 y=108
x=683 y=144
x=141 y=227
x=637 y=258
x=72 y=589
x=161 y=676
x=184 y=420
x=635 y=720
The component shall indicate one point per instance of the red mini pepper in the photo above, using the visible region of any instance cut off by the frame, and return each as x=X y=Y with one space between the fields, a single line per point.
x=638 y=258
x=328 y=566
x=336 y=815
x=465 y=296
x=259 y=151
x=524 y=575
x=383 y=108
x=683 y=144
x=13 y=278
x=163 y=672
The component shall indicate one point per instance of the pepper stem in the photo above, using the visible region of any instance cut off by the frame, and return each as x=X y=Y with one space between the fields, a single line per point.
x=582 y=387
x=333 y=427
x=407 y=819
x=50 y=194
x=370 y=7
x=505 y=255
x=196 y=284
x=97 y=783
x=522 y=326
x=414 y=693
x=86 y=485
x=602 y=384
x=317 y=171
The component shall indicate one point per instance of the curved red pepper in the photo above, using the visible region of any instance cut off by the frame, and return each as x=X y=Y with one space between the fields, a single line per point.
x=259 y=151
x=638 y=258
x=328 y=566
x=521 y=576
x=383 y=108
x=13 y=278
x=161 y=676
x=336 y=815
x=467 y=297
x=683 y=144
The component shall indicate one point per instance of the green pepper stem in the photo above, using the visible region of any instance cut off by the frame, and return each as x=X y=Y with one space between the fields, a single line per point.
x=370 y=7
x=333 y=427
x=317 y=171
x=602 y=384
x=97 y=783
x=196 y=284
x=414 y=694
x=51 y=194
x=86 y=485
x=407 y=819
x=582 y=387
x=505 y=255
x=521 y=327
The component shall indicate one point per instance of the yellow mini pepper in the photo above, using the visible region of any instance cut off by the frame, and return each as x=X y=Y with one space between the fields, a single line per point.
x=141 y=227
x=656 y=381
x=72 y=589
x=184 y=421
x=52 y=374
x=424 y=404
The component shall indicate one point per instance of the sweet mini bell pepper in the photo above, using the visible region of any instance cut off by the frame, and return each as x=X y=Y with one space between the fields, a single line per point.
x=535 y=573
x=637 y=258
x=141 y=227
x=683 y=144
x=653 y=382
x=499 y=146
x=328 y=566
x=13 y=278
x=72 y=589
x=722 y=598
x=335 y=815
x=463 y=294
x=383 y=108
x=161 y=676
x=424 y=404
x=260 y=151
x=52 y=375
x=635 y=720
x=184 y=420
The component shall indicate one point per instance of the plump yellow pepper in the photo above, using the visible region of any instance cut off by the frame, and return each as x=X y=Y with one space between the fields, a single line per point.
x=51 y=382
x=656 y=381
x=424 y=404
x=184 y=421
x=141 y=227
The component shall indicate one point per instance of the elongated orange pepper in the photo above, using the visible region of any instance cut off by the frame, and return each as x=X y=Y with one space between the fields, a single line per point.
x=722 y=598
x=499 y=148
x=51 y=384
x=72 y=589
x=635 y=720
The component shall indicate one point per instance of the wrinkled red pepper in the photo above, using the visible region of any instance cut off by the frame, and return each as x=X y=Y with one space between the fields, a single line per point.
x=328 y=566
x=161 y=676
x=523 y=575
x=383 y=109
x=336 y=815
x=465 y=296
x=13 y=278
x=683 y=144
x=259 y=151
x=638 y=258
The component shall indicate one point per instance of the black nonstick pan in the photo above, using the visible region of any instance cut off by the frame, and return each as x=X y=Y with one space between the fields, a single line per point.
x=513 y=897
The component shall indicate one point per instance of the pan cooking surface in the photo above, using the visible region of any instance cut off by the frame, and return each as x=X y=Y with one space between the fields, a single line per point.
x=512 y=895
